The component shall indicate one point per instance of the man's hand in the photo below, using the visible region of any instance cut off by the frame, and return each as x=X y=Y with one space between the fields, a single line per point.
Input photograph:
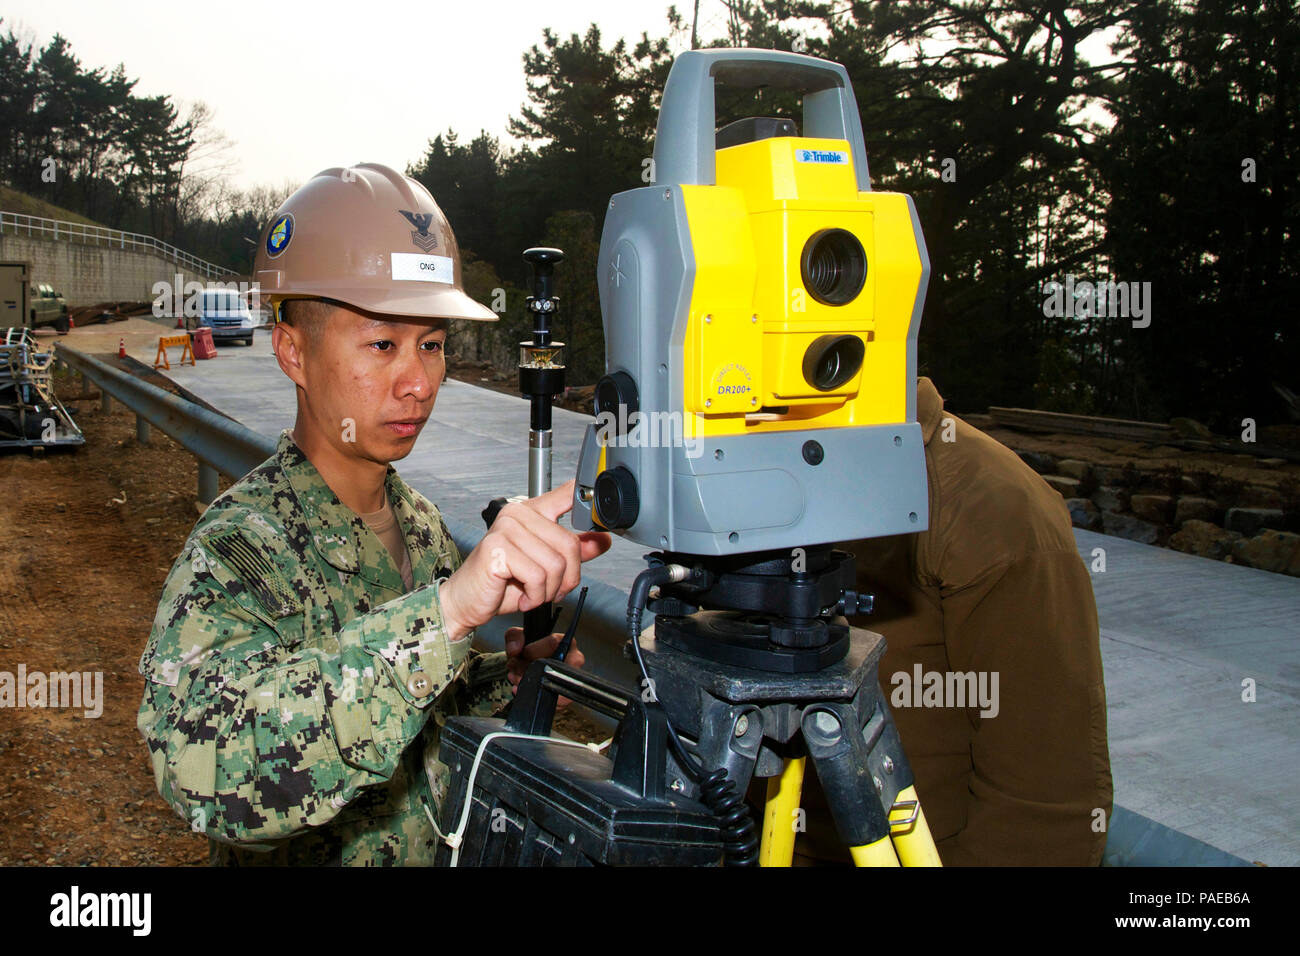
x=524 y=561
x=520 y=655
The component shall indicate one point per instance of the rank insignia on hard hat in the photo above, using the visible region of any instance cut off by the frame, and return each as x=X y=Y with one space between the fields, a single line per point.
x=421 y=222
x=278 y=238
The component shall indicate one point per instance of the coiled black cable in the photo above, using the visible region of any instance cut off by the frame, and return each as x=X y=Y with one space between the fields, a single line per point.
x=739 y=835
x=717 y=789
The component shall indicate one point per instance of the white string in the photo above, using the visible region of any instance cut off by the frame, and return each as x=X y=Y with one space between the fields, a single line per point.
x=457 y=836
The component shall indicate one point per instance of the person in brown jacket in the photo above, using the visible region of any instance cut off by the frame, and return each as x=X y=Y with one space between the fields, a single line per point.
x=994 y=586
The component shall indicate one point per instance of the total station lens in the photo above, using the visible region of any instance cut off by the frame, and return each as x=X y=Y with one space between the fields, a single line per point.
x=832 y=360
x=834 y=266
x=829 y=369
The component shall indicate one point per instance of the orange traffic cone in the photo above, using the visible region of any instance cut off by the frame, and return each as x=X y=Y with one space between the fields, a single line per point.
x=121 y=348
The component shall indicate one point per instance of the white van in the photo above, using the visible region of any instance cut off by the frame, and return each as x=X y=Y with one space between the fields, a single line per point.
x=227 y=314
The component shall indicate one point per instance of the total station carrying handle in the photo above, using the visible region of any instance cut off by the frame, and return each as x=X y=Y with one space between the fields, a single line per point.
x=684 y=138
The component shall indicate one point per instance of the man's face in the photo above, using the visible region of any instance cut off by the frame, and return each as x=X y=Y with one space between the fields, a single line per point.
x=371 y=380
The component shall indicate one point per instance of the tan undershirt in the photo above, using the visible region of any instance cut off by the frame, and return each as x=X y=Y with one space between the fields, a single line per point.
x=384 y=524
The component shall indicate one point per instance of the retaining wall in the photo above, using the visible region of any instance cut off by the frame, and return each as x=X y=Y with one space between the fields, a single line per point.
x=85 y=274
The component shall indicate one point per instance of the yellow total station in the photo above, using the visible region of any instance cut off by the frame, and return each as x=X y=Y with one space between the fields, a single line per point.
x=761 y=304
x=804 y=292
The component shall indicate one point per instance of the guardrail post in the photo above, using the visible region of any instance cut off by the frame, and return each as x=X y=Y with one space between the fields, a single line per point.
x=105 y=401
x=207 y=483
x=141 y=429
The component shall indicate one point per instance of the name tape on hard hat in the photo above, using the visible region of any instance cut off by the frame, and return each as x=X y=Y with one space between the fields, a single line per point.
x=834 y=156
x=414 y=267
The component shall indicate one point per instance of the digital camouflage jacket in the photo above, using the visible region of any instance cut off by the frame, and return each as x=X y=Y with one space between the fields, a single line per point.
x=293 y=693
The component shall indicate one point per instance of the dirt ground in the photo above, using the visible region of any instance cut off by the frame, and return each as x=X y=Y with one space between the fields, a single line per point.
x=90 y=536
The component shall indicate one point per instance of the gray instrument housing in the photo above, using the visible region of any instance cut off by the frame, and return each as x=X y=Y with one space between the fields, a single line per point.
x=742 y=493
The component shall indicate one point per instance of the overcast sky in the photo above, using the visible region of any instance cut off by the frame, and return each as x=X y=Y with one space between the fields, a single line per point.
x=303 y=86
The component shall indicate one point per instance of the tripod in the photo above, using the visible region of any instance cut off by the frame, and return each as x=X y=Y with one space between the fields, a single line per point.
x=751 y=658
x=751 y=670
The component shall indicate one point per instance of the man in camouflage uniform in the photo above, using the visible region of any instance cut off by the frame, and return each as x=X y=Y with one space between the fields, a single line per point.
x=314 y=634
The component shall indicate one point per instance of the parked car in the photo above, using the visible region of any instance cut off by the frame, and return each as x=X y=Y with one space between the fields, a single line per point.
x=49 y=308
x=227 y=314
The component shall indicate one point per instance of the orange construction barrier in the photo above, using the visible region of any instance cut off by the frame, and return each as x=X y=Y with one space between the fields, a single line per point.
x=203 y=345
x=164 y=342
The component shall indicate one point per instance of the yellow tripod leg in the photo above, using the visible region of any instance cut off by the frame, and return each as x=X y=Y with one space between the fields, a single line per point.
x=880 y=853
x=915 y=846
x=783 y=794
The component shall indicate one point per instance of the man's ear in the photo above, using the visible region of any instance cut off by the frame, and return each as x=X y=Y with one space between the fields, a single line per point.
x=287 y=343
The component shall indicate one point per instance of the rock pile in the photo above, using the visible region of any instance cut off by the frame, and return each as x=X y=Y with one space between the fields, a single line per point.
x=1198 y=513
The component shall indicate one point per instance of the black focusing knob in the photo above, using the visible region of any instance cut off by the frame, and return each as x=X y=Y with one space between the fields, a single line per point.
x=618 y=388
x=616 y=498
x=493 y=509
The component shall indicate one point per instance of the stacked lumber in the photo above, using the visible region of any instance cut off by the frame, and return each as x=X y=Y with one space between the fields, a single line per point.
x=1124 y=429
x=1026 y=419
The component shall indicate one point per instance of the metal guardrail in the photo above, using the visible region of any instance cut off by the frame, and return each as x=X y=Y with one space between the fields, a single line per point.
x=223 y=444
x=16 y=223
x=220 y=444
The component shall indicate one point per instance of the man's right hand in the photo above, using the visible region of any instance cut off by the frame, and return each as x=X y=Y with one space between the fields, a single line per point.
x=525 y=560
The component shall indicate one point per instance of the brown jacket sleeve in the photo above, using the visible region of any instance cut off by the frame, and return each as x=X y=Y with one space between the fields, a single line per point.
x=996 y=587
x=1039 y=772
x=1017 y=602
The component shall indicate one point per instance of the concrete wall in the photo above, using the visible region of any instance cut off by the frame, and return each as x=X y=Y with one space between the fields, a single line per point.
x=86 y=274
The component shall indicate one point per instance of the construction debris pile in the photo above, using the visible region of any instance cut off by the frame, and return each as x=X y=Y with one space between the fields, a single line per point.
x=108 y=312
x=1175 y=485
x=30 y=414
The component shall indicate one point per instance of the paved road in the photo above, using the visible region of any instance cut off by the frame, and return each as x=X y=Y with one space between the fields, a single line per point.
x=1179 y=634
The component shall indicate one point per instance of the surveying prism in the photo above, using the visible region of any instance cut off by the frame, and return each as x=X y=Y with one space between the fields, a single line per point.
x=761 y=305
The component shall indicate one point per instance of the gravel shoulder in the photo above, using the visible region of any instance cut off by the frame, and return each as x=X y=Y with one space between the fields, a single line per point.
x=90 y=536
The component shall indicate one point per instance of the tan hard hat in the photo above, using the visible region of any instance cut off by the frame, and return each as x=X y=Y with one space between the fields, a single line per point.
x=369 y=237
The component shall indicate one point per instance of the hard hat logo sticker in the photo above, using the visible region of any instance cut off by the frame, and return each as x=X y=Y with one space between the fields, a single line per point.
x=421 y=221
x=277 y=240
